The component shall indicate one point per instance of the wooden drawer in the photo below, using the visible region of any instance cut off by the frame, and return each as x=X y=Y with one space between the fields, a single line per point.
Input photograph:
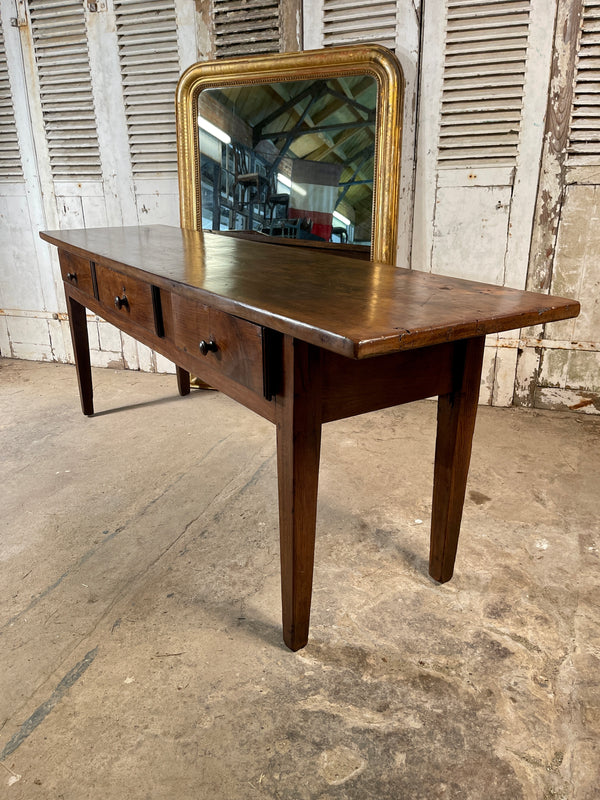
x=77 y=272
x=127 y=296
x=221 y=344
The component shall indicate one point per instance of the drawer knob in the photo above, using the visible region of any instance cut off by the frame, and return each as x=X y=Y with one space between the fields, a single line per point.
x=206 y=347
x=121 y=302
x=72 y=276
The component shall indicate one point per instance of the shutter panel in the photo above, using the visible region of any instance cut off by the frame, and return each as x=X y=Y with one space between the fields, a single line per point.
x=246 y=27
x=584 y=134
x=147 y=39
x=484 y=73
x=354 y=21
x=10 y=157
x=61 y=56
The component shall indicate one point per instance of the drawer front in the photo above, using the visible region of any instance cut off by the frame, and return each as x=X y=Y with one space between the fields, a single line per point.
x=221 y=343
x=76 y=272
x=126 y=296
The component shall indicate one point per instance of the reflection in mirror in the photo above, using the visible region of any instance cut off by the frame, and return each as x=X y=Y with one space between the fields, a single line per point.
x=292 y=159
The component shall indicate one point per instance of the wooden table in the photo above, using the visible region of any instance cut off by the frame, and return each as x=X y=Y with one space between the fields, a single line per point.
x=301 y=338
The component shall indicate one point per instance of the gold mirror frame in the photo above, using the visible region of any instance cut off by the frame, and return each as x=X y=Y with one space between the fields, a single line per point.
x=373 y=60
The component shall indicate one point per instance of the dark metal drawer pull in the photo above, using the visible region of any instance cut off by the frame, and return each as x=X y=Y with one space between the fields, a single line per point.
x=206 y=347
x=121 y=302
x=72 y=276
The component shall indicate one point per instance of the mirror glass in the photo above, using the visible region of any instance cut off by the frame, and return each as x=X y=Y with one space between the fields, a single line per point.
x=293 y=159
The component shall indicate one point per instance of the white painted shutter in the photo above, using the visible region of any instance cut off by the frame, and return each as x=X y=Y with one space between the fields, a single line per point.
x=246 y=27
x=147 y=38
x=10 y=157
x=355 y=21
x=584 y=134
x=61 y=55
x=484 y=73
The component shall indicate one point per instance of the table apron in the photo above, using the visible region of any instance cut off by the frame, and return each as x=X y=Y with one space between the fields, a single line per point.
x=196 y=364
x=351 y=387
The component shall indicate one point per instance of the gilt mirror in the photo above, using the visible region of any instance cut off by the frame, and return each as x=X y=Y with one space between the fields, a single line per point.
x=294 y=146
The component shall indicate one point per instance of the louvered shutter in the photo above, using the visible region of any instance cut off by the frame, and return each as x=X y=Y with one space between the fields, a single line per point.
x=246 y=27
x=339 y=22
x=10 y=157
x=61 y=56
x=584 y=134
x=147 y=39
x=484 y=73
x=354 y=21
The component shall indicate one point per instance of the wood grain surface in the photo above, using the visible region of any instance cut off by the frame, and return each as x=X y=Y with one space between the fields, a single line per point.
x=353 y=308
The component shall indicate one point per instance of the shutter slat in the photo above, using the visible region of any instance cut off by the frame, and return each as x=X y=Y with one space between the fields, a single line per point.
x=141 y=117
x=470 y=139
x=486 y=60
x=478 y=129
x=145 y=55
x=486 y=9
x=240 y=37
x=485 y=46
x=511 y=80
x=226 y=21
x=151 y=97
x=488 y=36
x=149 y=60
x=143 y=6
x=590 y=62
x=587 y=148
x=583 y=113
x=160 y=135
x=484 y=105
x=149 y=31
x=590 y=135
x=143 y=170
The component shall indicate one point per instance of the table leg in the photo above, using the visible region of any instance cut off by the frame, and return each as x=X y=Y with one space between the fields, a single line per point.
x=455 y=425
x=81 y=348
x=298 y=451
x=183 y=381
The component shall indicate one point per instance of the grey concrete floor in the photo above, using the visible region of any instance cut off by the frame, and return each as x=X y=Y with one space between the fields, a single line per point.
x=140 y=643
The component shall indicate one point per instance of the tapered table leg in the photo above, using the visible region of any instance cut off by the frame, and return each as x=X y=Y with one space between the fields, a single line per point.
x=81 y=348
x=455 y=425
x=183 y=381
x=298 y=451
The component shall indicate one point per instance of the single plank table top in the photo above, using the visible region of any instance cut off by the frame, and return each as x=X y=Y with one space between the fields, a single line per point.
x=354 y=308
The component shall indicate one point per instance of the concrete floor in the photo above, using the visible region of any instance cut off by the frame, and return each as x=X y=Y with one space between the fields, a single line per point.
x=141 y=652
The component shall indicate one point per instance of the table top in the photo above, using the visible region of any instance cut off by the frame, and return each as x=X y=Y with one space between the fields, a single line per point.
x=356 y=308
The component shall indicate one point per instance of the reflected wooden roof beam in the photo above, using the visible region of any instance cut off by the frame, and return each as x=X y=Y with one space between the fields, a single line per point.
x=313 y=91
x=299 y=131
x=338 y=143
